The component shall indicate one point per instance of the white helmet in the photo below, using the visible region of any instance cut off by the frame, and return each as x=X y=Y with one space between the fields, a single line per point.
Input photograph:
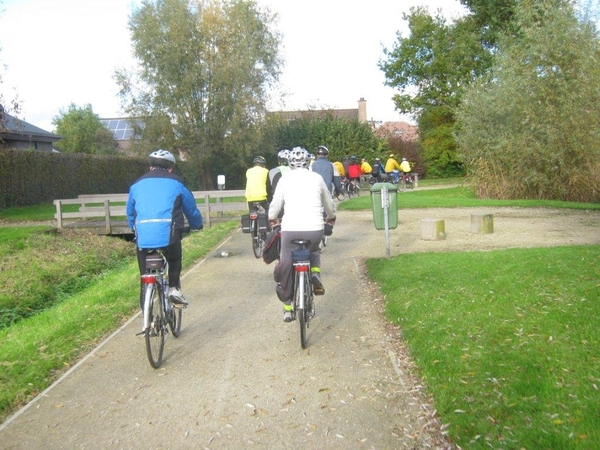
x=161 y=158
x=298 y=158
x=283 y=155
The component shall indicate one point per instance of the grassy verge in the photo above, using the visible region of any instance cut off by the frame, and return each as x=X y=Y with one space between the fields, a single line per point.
x=36 y=350
x=51 y=266
x=506 y=341
x=458 y=197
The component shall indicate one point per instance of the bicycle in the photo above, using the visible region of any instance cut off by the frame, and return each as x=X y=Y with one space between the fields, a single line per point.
x=258 y=228
x=159 y=315
x=407 y=181
x=339 y=195
x=353 y=188
x=303 y=306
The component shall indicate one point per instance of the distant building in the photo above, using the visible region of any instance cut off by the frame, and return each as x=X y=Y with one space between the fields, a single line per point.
x=359 y=113
x=126 y=130
x=403 y=130
x=19 y=135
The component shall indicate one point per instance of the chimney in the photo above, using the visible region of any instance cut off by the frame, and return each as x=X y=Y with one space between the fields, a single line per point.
x=362 y=110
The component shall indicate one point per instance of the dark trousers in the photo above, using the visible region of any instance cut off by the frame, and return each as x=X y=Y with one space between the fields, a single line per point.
x=263 y=203
x=173 y=255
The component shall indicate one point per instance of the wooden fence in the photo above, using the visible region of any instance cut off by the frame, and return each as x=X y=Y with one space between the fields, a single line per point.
x=106 y=213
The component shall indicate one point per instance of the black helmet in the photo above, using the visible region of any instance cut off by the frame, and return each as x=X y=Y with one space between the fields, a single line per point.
x=322 y=150
x=260 y=161
x=161 y=158
x=353 y=158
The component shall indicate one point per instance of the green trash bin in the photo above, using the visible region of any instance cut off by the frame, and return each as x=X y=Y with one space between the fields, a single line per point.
x=378 y=208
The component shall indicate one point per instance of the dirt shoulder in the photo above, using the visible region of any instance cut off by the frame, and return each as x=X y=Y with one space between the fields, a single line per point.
x=237 y=377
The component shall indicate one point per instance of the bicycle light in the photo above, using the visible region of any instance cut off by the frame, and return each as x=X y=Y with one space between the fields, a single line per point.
x=301 y=267
x=253 y=216
x=148 y=279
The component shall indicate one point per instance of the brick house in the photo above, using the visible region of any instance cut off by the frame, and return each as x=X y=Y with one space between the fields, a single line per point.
x=403 y=130
x=359 y=113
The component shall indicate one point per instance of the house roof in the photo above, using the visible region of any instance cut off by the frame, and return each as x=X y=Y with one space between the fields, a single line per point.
x=348 y=114
x=402 y=130
x=15 y=129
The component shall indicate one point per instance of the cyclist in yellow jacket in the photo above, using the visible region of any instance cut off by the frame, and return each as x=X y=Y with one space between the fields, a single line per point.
x=257 y=184
x=391 y=164
x=365 y=167
x=393 y=168
x=405 y=166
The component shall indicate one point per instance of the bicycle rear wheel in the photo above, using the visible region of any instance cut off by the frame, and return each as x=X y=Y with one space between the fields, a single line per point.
x=301 y=297
x=350 y=190
x=155 y=333
x=257 y=242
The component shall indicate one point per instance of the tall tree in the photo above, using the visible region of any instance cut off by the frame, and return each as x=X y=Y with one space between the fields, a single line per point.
x=532 y=129
x=430 y=67
x=204 y=67
x=82 y=132
x=491 y=18
x=10 y=105
x=341 y=137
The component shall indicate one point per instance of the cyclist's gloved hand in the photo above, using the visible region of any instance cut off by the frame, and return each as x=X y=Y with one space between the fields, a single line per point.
x=328 y=228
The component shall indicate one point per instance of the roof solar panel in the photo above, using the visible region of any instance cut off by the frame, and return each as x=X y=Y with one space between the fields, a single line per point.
x=122 y=129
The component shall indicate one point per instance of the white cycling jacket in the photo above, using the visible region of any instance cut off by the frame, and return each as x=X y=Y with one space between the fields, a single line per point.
x=303 y=195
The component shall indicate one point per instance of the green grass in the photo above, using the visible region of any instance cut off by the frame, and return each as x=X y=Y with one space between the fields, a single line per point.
x=507 y=342
x=35 y=350
x=51 y=266
x=33 y=213
x=458 y=197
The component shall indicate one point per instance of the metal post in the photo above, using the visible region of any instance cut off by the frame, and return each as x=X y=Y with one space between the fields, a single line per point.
x=385 y=205
x=107 y=228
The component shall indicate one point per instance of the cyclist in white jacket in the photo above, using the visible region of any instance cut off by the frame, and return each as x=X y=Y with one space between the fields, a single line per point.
x=304 y=195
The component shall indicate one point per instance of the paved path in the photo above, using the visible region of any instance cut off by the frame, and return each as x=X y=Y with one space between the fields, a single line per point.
x=237 y=377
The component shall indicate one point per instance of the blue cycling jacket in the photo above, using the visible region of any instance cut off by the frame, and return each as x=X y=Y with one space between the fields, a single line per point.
x=156 y=206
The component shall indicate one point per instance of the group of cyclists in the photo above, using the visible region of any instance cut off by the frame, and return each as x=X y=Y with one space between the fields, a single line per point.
x=297 y=196
x=350 y=171
x=391 y=171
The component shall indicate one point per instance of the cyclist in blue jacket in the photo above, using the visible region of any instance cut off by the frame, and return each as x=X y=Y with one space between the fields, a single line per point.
x=156 y=207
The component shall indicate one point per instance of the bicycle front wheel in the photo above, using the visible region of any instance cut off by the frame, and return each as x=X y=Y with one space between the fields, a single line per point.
x=175 y=320
x=154 y=332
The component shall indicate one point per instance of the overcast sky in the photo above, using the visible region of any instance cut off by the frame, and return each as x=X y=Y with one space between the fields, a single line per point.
x=58 y=52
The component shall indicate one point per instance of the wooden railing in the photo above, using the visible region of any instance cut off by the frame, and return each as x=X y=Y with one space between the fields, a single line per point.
x=106 y=212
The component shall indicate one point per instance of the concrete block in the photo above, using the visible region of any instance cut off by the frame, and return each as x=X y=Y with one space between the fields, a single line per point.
x=482 y=223
x=433 y=230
